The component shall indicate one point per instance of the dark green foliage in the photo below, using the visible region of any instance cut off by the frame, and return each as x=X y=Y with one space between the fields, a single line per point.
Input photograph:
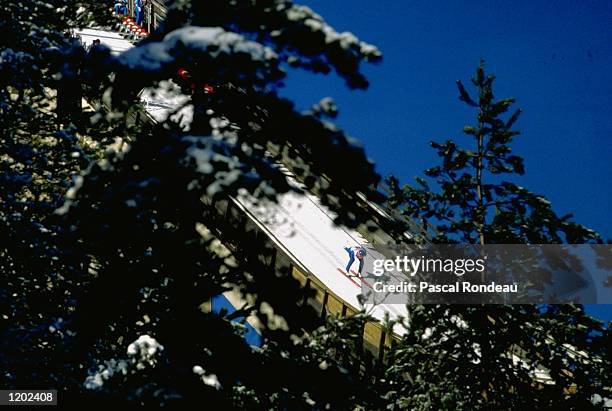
x=498 y=357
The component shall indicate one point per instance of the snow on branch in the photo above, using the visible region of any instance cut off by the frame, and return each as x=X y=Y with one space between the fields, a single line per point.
x=223 y=167
x=299 y=36
x=346 y=41
x=217 y=54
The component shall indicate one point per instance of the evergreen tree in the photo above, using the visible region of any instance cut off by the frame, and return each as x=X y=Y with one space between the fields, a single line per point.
x=104 y=295
x=473 y=204
x=492 y=356
x=40 y=152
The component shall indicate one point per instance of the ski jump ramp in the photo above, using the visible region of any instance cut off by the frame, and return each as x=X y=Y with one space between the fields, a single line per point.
x=298 y=224
x=304 y=228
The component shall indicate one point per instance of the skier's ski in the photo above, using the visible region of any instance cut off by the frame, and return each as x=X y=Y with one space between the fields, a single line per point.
x=361 y=278
x=350 y=277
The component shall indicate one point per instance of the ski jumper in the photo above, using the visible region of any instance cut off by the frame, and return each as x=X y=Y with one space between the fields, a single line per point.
x=355 y=252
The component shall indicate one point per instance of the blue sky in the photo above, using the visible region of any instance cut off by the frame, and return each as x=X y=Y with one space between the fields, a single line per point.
x=555 y=57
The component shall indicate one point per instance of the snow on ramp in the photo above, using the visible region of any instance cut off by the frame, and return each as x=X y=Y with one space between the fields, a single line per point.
x=114 y=41
x=305 y=229
x=298 y=223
